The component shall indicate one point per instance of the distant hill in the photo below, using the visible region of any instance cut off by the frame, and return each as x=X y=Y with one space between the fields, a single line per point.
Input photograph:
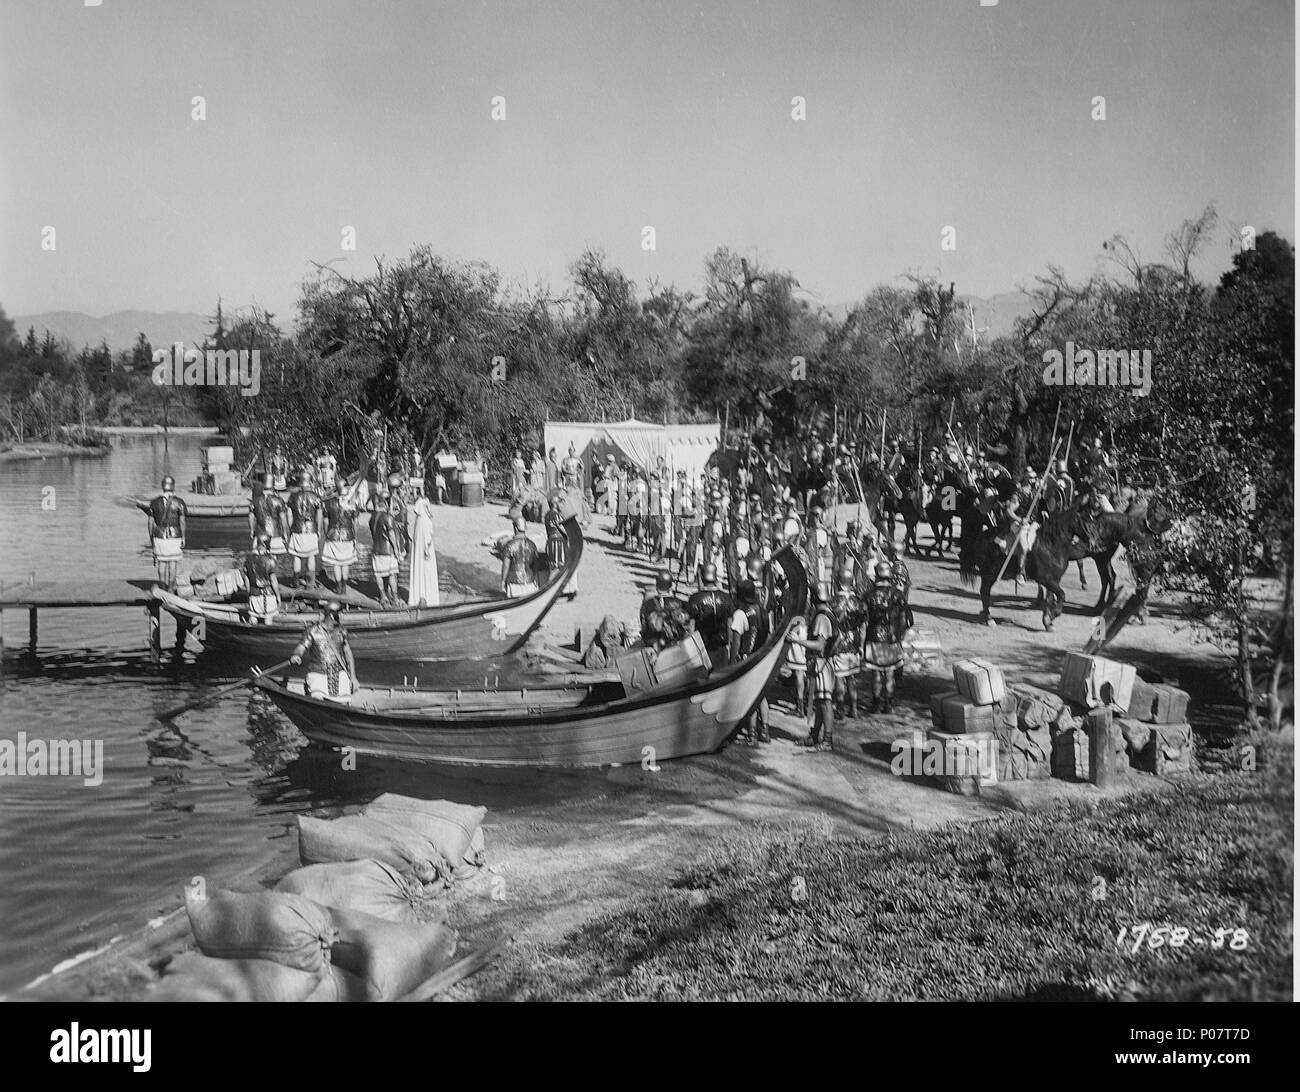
x=120 y=329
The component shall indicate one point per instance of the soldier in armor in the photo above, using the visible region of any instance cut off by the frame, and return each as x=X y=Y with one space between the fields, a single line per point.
x=263 y=586
x=847 y=661
x=331 y=671
x=749 y=627
x=883 y=646
x=339 y=525
x=664 y=617
x=167 y=532
x=1058 y=489
x=518 y=563
x=385 y=535
x=307 y=512
x=637 y=504
x=821 y=643
x=268 y=515
x=710 y=609
x=656 y=524
x=557 y=544
x=620 y=503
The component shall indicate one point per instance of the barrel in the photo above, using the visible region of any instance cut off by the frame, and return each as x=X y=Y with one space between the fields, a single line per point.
x=471 y=488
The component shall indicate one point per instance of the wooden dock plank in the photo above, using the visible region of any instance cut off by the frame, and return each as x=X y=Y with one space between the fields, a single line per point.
x=76 y=593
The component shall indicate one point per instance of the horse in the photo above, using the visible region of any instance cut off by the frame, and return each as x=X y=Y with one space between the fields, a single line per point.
x=1077 y=538
x=911 y=506
x=1055 y=546
x=982 y=554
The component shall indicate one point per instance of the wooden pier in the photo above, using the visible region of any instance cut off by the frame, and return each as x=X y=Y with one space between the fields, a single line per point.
x=34 y=595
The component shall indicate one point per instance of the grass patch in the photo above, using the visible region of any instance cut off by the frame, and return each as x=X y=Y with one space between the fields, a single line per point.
x=1010 y=909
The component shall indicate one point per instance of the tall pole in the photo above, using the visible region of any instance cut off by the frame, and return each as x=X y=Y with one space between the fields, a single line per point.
x=1028 y=514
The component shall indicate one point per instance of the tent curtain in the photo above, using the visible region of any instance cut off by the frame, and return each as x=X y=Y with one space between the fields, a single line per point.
x=683 y=447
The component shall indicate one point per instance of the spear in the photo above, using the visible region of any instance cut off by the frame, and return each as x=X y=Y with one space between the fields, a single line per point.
x=1033 y=503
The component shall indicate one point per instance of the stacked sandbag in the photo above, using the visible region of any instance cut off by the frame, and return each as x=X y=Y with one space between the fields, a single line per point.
x=454 y=830
x=371 y=837
x=1158 y=738
x=287 y=929
x=370 y=887
x=195 y=977
x=255 y=946
x=385 y=960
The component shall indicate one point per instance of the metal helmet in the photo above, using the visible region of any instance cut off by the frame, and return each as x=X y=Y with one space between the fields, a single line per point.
x=664 y=581
x=169 y=484
x=884 y=571
x=845 y=575
x=755 y=568
x=709 y=575
x=817 y=591
x=333 y=608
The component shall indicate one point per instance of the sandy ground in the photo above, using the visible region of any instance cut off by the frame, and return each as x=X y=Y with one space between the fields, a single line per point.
x=564 y=846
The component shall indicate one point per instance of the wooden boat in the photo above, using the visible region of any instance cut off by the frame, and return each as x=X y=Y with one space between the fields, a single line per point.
x=563 y=725
x=462 y=631
x=206 y=505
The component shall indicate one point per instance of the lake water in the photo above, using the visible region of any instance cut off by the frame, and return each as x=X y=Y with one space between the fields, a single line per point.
x=81 y=864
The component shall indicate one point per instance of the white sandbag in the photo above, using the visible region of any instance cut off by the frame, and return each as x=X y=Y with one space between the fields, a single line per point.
x=447 y=825
x=361 y=837
x=391 y=959
x=286 y=929
x=195 y=977
x=339 y=986
x=371 y=887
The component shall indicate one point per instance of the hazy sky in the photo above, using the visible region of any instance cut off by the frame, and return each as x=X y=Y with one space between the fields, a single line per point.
x=920 y=113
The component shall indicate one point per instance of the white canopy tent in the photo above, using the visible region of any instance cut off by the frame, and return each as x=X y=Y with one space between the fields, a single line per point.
x=683 y=447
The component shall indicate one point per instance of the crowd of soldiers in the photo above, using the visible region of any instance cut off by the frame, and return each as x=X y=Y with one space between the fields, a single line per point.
x=713 y=537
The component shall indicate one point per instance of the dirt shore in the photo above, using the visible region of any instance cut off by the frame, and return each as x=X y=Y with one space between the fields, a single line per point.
x=573 y=844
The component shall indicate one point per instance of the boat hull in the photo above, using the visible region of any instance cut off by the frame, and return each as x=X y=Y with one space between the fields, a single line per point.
x=466 y=631
x=549 y=726
x=626 y=732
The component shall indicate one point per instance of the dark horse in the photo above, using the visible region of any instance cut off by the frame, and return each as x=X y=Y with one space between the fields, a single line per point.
x=911 y=506
x=1059 y=542
x=1055 y=547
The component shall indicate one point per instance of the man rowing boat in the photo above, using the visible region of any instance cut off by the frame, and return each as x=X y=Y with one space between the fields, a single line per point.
x=331 y=670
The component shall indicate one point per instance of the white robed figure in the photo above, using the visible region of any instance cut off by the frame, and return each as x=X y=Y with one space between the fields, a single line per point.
x=423 y=589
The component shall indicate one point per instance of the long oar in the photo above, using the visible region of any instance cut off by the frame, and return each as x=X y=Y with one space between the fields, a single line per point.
x=172 y=714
